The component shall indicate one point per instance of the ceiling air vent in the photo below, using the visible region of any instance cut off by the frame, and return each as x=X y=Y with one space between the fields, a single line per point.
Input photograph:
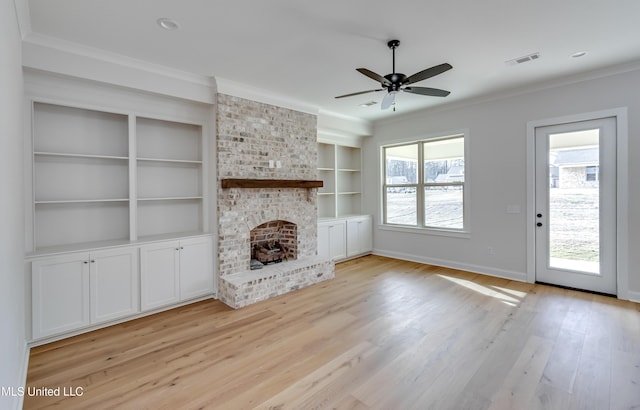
x=523 y=59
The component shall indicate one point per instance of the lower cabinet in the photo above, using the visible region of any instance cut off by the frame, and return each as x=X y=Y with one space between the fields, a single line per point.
x=331 y=239
x=77 y=290
x=344 y=238
x=359 y=235
x=174 y=271
x=80 y=289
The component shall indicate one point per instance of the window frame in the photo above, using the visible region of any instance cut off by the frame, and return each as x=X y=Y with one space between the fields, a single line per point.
x=422 y=184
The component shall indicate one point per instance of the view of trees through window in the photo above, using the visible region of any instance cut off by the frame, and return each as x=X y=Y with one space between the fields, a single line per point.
x=437 y=189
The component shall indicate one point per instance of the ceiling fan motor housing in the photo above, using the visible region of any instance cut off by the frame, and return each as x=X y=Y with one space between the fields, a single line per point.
x=396 y=80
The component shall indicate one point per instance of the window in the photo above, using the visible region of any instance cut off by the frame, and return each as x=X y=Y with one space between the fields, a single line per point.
x=592 y=173
x=424 y=184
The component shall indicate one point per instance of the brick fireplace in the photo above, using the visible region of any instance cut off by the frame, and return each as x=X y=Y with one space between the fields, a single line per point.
x=249 y=135
x=273 y=242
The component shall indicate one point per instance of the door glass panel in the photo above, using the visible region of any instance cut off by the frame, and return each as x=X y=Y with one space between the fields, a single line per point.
x=574 y=201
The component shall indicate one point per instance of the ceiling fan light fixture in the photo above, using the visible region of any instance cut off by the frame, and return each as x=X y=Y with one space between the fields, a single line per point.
x=394 y=82
x=388 y=100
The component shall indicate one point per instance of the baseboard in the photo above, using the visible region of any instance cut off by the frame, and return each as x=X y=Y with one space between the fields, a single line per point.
x=483 y=270
x=633 y=296
x=26 y=350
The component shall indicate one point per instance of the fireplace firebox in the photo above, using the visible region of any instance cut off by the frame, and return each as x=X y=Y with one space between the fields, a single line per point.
x=273 y=242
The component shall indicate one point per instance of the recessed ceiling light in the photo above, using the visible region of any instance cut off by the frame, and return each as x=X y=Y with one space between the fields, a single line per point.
x=578 y=54
x=168 y=24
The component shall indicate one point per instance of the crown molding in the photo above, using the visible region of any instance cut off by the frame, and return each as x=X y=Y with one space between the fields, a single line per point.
x=236 y=89
x=115 y=58
x=23 y=17
x=516 y=91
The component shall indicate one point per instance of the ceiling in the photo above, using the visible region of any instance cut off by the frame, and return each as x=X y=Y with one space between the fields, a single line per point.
x=308 y=51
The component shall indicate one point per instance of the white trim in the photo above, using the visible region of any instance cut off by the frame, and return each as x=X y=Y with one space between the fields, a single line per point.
x=65 y=58
x=119 y=59
x=458 y=233
x=248 y=92
x=512 y=92
x=23 y=16
x=633 y=296
x=483 y=270
x=622 y=194
x=24 y=367
x=65 y=335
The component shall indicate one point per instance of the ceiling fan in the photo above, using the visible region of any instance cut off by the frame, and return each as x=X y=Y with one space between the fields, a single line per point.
x=395 y=82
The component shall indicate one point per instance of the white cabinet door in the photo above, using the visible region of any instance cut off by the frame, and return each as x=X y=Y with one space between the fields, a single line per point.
x=323 y=240
x=196 y=268
x=60 y=294
x=159 y=274
x=331 y=239
x=114 y=284
x=337 y=240
x=359 y=235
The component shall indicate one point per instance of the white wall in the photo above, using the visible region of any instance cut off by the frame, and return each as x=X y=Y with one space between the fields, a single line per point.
x=498 y=173
x=12 y=339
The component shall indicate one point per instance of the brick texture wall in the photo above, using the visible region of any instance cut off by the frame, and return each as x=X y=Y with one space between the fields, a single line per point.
x=249 y=135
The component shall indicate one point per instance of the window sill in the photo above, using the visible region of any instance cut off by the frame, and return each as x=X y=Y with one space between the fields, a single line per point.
x=426 y=231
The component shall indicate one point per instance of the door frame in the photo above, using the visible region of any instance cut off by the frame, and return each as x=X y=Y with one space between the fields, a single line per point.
x=622 y=191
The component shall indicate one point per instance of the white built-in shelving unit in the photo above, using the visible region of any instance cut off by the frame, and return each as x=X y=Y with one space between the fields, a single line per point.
x=343 y=232
x=80 y=176
x=113 y=175
x=169 y=169
x=339 y=167
x=101 y=177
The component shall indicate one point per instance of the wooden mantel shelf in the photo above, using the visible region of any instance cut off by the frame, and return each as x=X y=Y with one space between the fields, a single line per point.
x=270 y=183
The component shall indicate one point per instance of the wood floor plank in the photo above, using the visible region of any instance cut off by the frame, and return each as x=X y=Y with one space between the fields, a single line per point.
x=384 y=334
x=520 y=385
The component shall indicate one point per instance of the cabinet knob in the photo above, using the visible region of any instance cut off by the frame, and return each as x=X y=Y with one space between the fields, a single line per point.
x=177 y=249
x=85 y=262
x=93 y=261
x=182 y=247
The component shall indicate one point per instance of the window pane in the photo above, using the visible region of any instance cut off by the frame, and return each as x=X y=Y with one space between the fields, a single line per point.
x=401 y=205
x=444 y=160
x=401 y=164
x=443 y=207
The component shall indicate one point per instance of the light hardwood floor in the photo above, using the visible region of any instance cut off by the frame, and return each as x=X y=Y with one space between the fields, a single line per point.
x=384 y=334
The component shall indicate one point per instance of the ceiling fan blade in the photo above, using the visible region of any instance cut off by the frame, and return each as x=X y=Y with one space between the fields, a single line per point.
x=428 y=73
x=360 y=92
x=433 y=92
x=388 y=100
x=374 y=76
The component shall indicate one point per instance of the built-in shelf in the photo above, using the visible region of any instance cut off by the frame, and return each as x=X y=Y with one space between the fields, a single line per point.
x=70 y=155
x=180 y=161
x=87 y=188
x=178 y=198
x=270 y=183
x=82 y=201
x=339 y=167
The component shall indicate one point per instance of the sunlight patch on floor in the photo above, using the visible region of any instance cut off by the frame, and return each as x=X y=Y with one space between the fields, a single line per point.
x=507 y=299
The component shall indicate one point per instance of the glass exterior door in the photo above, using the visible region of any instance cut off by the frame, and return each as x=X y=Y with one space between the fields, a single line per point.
x=575 y=205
